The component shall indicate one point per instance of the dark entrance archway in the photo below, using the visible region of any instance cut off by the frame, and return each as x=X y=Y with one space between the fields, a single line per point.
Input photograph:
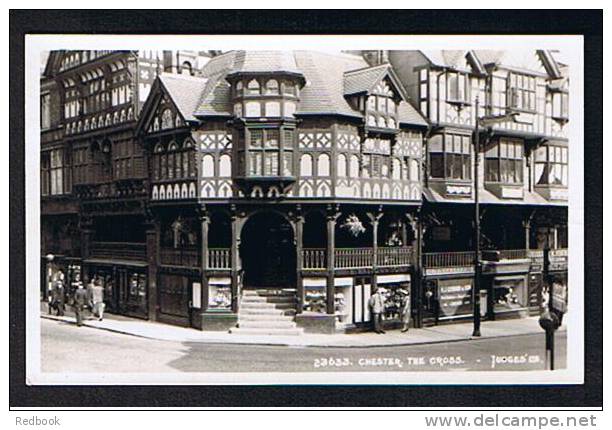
x=267 y=251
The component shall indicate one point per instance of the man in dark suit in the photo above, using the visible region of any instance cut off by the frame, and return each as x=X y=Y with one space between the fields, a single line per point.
x=80 y=301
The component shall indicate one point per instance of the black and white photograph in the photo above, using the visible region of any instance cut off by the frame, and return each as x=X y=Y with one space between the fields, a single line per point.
x=298 y=212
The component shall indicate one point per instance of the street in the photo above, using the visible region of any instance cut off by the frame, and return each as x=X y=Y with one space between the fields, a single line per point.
x=67 y=348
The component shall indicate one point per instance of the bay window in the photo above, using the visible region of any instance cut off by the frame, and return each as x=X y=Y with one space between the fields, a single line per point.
x=450 y=157
x=560 y=105
x=551 y=165
x=457 y=85
x=504 y=162
x=264 y=152
x=521 y=92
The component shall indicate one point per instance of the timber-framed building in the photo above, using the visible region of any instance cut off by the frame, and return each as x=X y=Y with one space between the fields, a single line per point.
x=271 y=192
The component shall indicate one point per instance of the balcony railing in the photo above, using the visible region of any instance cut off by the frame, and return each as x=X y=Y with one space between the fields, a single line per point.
x=123 y=250
x=393 y=257
x=179 y=257
x=219 y=258
x=355 y=258
x=314 y=258
x=504 y=254
x=448 y=259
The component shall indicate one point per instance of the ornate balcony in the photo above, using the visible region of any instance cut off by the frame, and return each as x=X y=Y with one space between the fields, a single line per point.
x=357 y=258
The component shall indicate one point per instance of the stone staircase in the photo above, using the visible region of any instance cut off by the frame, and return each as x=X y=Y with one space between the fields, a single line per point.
x=267 y=312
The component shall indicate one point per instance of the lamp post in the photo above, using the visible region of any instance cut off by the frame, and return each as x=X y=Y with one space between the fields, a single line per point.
x=485 y=121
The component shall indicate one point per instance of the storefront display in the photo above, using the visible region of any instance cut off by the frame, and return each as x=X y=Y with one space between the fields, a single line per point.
x=314 y=299
x=362 y=291
x=343 y=300
x=219 y=293
x=125 y=288
x=509 y=294
x=455 y=298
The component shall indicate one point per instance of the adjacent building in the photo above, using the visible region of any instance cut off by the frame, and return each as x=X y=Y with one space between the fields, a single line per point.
x=270 y=191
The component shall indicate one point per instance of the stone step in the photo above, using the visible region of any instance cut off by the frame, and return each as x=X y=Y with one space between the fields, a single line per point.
x=264 y=317
x=267 y=311
x=266 y=305
x=266 y=324
x=269 y=299
x=264 y=292
x=267 y=331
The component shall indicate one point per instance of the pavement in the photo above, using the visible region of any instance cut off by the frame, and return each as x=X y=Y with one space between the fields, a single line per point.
x=456 y=332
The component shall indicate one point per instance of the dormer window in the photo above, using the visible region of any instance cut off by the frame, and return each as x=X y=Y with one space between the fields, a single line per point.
x=253 y=87
x=457 y=88
x=521 y=92
x=272 y=87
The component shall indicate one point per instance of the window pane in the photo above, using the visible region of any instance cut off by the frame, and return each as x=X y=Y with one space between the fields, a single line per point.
x=253 y=109
x=272 y=138
x=256 y=138
x=492 y=170
x=287 y=164
x=541 y=173
x=271 y=163
x=273 y=109
x=436 y=161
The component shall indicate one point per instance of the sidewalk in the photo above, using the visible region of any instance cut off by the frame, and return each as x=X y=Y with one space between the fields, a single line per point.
x=437 y=334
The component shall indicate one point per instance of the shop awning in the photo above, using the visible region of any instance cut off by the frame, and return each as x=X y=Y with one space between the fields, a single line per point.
x=486 y=197
x=115 y=262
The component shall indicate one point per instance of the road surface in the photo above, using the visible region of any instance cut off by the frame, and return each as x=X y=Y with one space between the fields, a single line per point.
x=68 y=348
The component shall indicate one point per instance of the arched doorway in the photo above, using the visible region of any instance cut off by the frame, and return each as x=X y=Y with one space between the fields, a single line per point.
x=267 y=252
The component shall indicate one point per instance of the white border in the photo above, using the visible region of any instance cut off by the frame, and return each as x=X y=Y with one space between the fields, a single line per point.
x=572 y=47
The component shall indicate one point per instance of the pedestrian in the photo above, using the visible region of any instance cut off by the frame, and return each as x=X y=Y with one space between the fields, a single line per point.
x=58 y=297
x=97 y=298
x=90 y=288
x=377 y=307
x=406 y=313
x=80 y=301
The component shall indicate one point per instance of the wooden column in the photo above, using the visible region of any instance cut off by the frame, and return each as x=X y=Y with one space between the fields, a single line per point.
x=332 y=216
x=416 y=222
x=374 y=219
x=235 y=259
x=86 y=236
x=527 y=227
x=204 y=218
x=299 y=245
x=152 y=249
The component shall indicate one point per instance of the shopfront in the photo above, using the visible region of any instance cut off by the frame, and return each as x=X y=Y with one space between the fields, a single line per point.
x=55 y=267
x=124 y=283
x=509 y=296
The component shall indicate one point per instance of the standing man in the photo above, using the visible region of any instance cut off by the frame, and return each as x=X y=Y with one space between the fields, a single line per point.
x=58 y=297
x=377 y=307
x=80 y=301
x=405 y=313
x=97 y=298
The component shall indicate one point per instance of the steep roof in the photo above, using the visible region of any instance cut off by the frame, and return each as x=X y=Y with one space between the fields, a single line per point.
x=541 y=61
x=363 y=80
x=185 y=91
x=323 y=92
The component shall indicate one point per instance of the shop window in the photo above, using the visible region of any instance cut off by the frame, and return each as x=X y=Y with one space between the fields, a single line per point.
x=509 y=294
x=454 y=297
x=315 y=297
x=504 y=162
x=219 y=293
x=551 y=165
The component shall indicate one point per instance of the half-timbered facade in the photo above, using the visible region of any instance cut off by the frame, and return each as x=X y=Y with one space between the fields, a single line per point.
x=523 y=174
x=93 y=171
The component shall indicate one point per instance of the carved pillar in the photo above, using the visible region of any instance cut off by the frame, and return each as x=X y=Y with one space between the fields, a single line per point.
x=237 y=219
x=299 y=244
x=204 y=218
x=374 y=220
x=527 y=227
x=152 y=249
x=332 y=216
x=416 y=222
